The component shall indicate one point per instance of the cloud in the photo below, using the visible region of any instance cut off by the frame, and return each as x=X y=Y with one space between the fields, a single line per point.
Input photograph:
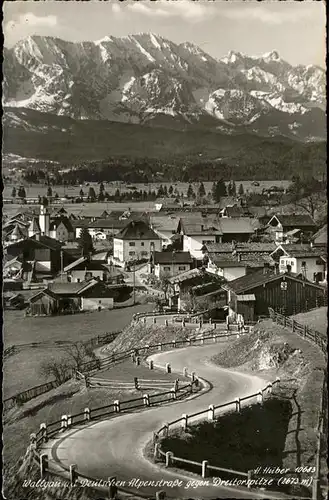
x=116 y=9
x=25 y=25
x=186 y=9
x=266 y=15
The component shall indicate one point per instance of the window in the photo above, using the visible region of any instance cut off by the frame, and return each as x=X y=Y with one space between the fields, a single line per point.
x=142 y=243
x=166 y=268
x=303 y=263
x=181 y=268
x=131 y=253
x=131 y=243
x=143 y=252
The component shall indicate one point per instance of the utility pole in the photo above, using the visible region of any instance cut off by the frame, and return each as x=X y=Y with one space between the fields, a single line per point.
x=62 y=265
x=134 y=282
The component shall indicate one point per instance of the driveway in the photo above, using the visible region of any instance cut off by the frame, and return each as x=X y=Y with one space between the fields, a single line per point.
x=115 y=447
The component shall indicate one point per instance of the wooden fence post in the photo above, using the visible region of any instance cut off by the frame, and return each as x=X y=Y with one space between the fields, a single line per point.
x=156 y=451
x=151 y=364
x=43 y=465
x=260 y=397
x=305 y=330
x=113 y=489
x=73 y=474
x=44 y=433
x=237 y=404
x=166 y=430
x=174 y=344
x=211 y=412
x=173 y=394
x=117 y=406
x=168 y=368
x=204 y=468
x=169 y=456
x=87 y=413
x=184 y=417
x=159 y=347
x=64 y=422
x=184 y=371
x=146 y=399
x=136 y=383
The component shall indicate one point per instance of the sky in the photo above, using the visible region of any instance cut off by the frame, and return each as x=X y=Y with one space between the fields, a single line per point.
x=295 y=29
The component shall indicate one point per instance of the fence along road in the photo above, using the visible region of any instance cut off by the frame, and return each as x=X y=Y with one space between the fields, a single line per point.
x=115 y=447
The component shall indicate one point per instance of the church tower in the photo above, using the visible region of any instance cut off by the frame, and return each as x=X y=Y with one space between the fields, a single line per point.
x=44 y=220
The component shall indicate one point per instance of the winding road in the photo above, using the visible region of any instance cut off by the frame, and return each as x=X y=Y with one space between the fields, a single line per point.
x=114 y=447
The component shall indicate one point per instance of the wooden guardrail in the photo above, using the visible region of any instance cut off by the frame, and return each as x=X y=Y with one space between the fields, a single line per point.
x=47 y=431
x=210 y=414
x=303 y=330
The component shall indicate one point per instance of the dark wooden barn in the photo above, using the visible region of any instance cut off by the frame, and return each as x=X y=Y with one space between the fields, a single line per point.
x=287 y=293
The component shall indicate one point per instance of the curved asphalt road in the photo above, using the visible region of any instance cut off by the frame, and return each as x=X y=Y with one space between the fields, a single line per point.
x=115 y=447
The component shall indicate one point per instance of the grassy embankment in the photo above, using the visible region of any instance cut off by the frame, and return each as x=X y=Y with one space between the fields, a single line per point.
x=283 y=431
x=19 y=329
x=72 y=396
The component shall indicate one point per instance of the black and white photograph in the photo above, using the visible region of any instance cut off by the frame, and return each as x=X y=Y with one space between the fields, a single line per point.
x=164 y=239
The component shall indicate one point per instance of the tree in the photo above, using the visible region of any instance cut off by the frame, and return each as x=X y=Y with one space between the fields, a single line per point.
x=21 y=192
x=170 y=190
x=190 y=192
x=91 y=194
x=218 y=190
x=233 y=189
x=101 y=196
x=81 y=193
x=44 y=201
x=160 y=192
x=311 y=203
x=58 y=369
x=164 y=286
x=101 y=188
x=117 y=195
x=13 y=193
x=85 y=242
x=165 y=191
x=56 y=196
x=201 y=190
x=241 y=190
x=49 y=192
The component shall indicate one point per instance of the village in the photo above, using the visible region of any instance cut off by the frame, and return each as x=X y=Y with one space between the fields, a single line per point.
x=226 y=258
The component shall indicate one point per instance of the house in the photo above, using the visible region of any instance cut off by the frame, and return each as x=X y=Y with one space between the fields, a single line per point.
x=167 y=204
x=166 y=226
x=232 y=260
x=44 y=254
x=237 y=229
x=86 y=268
x=13 y=300
x=135 y=242
x=302 y=259
x=169 y=263
x=197 y=231
x=288 y=293
x=186 y=285
x=61 y=229
x=320 y=238
x=282 y=224
x=228 y=268
x=68 y=298
x=108 y=227
x=235 y=211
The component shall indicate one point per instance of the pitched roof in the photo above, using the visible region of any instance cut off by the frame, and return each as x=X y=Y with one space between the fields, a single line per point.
x=17 y=232
x=198 y=224
x=241 y=247
x=164 y=222
x=236 y=211
x=172 y=258
x=241 y=225
x=110 y=222
x=254 y=280
x=296 y=220
x=34 y=225
x=47 y=241
x=322 y=235
x=137 y=230
x=301 y=250
x=54 y=224
x=84 y=263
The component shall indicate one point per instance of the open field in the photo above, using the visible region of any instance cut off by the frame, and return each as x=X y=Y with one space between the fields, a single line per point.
x=316 y=319
x=40 y=189
x=21 y=371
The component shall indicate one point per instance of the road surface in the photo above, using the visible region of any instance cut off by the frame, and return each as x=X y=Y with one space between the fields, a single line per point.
x=115 y=447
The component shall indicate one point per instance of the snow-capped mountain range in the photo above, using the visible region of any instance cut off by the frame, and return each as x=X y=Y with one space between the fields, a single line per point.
x=148 y=79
